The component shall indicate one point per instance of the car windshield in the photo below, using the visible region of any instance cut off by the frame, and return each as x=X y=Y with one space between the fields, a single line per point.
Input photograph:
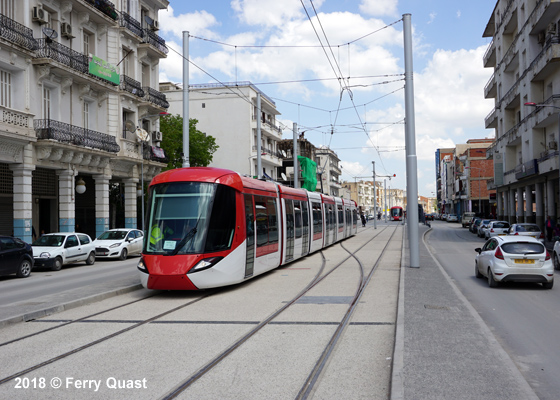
x=522 y=248
x=528 y=228
x=113 y=235
x=190 y=218
x=49 y=241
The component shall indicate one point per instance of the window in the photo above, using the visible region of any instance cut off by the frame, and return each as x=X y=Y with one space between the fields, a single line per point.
x=71 y=241
x=125 y=61
x=7 y=8
x=85 y=115
x=298 y=222
x=46 y=103
x=5 y=89
x=317 y=220
x=267 y=225
x=87 y=41
x=84 y=239
x=340 y=218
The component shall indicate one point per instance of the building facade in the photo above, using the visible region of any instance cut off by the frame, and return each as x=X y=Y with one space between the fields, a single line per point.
x=230 y=114
x=523 y=55
x=69 y=115
x=329 y=171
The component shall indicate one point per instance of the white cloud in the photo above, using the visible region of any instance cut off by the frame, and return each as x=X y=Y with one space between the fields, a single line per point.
x=379 y=7
x=197 y=23
x=268 y=13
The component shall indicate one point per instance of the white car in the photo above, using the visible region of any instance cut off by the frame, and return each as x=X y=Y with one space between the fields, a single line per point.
x=54 y=250
x=496 y=228
x=452 y=218
x=119 y=243
x=556 y=255
x=514 y=259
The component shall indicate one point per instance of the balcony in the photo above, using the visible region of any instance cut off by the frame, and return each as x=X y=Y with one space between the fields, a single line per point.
x=17 y=33
x=155 y=98
x=130 y=85
x=545 y=64
x=69 y=62
x=48 y=129
x=99 y=11
x=131 y=25
x=490 y=90
x=153 y=44
x=489 y=59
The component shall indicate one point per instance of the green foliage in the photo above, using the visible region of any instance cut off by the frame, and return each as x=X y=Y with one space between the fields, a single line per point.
x=201 y=146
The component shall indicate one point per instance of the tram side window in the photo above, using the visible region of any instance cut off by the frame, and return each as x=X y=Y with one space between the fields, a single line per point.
x=267 y=221
x=340 y=217
x=297 y=211
x=354 y=217
x=317 y=218
x=272 y=221
x=222 y=221
x=305 y=217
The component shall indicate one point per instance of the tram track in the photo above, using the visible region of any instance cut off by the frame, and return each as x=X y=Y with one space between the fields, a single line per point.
x=310 y=382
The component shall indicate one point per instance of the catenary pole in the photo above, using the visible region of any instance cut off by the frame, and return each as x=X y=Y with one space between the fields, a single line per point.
x=296 y=163
x=259 y=137
x=374 y=199
x=186 y=160
x=410 y=144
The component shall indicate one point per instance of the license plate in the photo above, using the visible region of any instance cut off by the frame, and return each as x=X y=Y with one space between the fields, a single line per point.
x=520 y=261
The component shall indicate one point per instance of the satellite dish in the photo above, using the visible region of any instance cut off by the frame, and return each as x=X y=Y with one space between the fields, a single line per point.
x=284 y=153
x=129 y=126
x=49 y=33
x=142 y=135
x=283 y=175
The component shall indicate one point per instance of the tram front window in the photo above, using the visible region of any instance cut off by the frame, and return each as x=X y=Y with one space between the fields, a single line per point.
x=190 y=218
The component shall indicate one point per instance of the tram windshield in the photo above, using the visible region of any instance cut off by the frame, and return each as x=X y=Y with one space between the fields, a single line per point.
x=189 y=218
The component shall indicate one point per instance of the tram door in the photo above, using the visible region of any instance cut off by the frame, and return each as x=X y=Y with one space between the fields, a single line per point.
x=250 y=234
x=305 y=215
x=290 y=230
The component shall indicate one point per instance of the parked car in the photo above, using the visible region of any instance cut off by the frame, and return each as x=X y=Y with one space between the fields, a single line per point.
x=514 y=259
x=526 y=229
x=452 y=218
x=54 y=250
x=430 y=217
x=16 y=257
x=496 y=228
x=466 y=218
x=119 y=243
x=482 y=227
x=474 y=225
x=556 y=255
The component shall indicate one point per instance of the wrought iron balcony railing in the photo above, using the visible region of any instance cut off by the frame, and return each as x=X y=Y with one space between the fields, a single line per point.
x=132 y=86
x=131 y=24
x=66 y=133
x=153 y=39
x=155 y=97
x=105 y=6
x=154 y=153
x=63 y=54
x=17 y=33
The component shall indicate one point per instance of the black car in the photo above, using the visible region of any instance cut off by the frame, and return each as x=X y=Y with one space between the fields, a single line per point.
x=16 y=257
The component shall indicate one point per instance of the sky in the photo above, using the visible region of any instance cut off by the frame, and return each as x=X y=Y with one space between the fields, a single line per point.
x=336 y=68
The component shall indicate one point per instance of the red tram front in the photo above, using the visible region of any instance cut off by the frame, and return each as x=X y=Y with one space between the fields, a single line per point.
x=396 y=213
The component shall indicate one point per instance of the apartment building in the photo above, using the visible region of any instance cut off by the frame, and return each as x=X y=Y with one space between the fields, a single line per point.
x=229 y=112
x=525 y=86
x=77 y=78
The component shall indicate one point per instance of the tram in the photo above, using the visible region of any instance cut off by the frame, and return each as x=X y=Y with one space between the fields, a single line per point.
x=396 y=213
x=210 y=227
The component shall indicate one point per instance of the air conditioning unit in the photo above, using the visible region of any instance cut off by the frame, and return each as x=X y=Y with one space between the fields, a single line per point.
x=157 y=136
x=154 y=26
x=41 y=16
x=553 y=145
x=66 y=30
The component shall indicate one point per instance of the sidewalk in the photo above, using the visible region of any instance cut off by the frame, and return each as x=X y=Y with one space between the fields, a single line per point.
x=443 y=348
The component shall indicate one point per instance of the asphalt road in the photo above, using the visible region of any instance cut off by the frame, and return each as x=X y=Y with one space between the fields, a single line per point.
x=43 y=282
x=524 y=317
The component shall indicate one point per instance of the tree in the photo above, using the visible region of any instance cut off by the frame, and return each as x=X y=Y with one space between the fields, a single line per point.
x=201 y=146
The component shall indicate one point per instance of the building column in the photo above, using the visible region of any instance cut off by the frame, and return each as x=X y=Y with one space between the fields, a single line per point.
x=130 y=203
x=23 y=201
x=512 y=219
x=529 y=205
x=519 y=209
x=500 y=206
x=101 y=203
x=66 y=202
x=550 y=209
x=539 y=205
x=505 y=202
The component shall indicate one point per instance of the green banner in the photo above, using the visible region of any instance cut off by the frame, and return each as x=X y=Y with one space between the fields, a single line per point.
x=102 y=69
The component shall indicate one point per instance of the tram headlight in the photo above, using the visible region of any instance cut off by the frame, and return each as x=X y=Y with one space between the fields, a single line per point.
x=142 y=267
x=205 y=264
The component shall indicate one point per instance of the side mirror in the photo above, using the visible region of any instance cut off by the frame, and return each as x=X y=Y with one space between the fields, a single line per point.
x=478 y=250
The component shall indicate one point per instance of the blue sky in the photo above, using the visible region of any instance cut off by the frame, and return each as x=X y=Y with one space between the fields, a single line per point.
x=362 y=124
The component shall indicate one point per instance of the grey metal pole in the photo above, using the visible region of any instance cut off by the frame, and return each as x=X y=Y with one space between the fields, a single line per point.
x=385 y=199
x=186 y=160
x=143 y=218
x=296 y=163
x=410 y=143
x=374 y=199
x=259 y=147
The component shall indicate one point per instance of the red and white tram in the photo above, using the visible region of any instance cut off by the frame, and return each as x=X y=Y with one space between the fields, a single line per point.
x=210 y=227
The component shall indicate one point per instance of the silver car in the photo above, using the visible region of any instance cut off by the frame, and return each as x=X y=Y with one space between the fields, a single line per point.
x=526 y=229
x=482 y=227
x=496 y=228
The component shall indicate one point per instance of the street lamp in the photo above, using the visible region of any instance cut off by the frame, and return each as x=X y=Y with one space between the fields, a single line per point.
x=479 y=192
x=531 y=104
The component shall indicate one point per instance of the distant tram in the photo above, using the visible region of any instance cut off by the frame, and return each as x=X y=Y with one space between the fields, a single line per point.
x=396 y=213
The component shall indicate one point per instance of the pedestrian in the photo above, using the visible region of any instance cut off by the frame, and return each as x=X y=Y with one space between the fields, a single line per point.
x=363 y=220
x=550 y=225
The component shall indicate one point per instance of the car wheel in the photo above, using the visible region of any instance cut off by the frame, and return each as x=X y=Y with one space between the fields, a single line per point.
x=57 y=266
x=548 y=285
x=24 y=269
x=491 y=281
x=556 y=262
x=124 y=254
x=91 y=259
x=476 y=271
